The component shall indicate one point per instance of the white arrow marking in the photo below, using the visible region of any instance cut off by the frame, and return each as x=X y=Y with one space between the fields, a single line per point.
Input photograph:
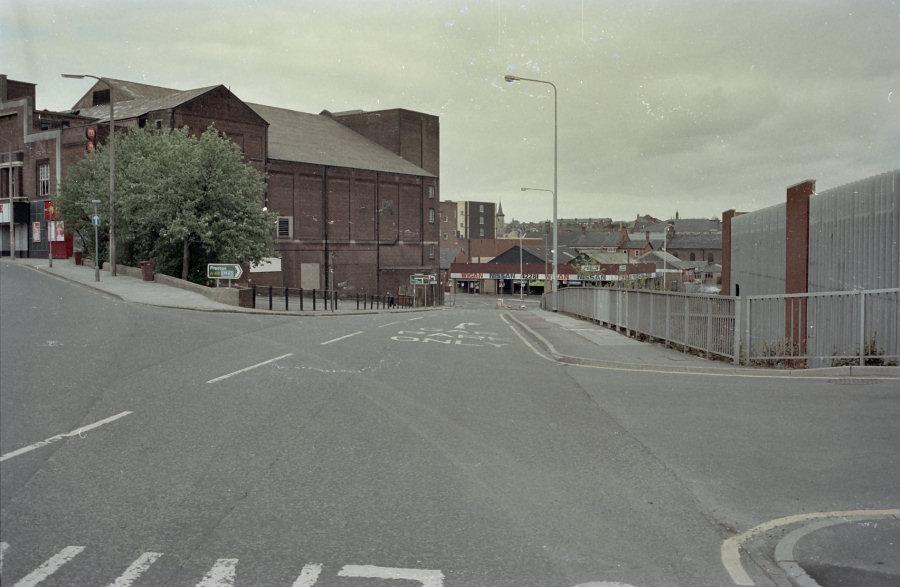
x=427 y=577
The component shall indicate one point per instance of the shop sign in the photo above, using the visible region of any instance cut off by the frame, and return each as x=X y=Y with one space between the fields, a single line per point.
x=4 y=213
x=56 y=231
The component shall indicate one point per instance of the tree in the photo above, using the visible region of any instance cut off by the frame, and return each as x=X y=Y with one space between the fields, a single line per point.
x=181 y=200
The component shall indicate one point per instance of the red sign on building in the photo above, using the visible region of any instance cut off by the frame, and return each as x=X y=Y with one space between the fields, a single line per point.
x=50 y=211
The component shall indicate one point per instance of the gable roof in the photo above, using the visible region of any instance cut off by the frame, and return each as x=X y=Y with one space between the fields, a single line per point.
x=142 y=105
x=663 y=257
x=695 y=241
x=314 y=138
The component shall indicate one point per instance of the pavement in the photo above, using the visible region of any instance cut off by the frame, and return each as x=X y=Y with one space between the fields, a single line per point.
x=153 y=293
x=142 y=445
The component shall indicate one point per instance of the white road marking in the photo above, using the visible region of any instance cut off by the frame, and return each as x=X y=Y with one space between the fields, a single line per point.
x=136 y=569
x=731 y=553
x=309 y=574
x=462 y=325
x=221 y=574
x=392 y=323
x=50 y=566
x=341 y=337
x=418 y=318
x=245 y=369
x=522 y=338
x=427 y=577
x=3 y=547
x=52 y=439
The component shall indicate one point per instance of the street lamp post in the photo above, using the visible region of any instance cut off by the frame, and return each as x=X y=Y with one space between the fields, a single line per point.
x=112 y=168
x=96 y=224
x=9 y=172
x=514 y=78
x=521 y=273
x=555 y=256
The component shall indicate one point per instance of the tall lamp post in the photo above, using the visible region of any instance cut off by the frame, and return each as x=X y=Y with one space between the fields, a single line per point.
x=95 y=220
x=112 y=167
x=521 y=273
x=515 y=78
x=555 y=274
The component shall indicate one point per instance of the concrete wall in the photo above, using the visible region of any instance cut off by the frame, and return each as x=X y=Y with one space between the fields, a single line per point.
x=758 y=252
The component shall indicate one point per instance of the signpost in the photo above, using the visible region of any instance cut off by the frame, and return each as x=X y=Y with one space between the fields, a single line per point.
x=227 y=271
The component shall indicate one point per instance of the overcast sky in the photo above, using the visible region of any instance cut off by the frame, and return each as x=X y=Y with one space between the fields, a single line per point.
x=696 y=106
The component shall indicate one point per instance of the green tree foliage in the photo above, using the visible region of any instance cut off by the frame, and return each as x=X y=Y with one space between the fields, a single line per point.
x=181 y=200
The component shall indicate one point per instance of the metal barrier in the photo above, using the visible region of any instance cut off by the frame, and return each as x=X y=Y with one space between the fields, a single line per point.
x=822 y=329
x=288 y=298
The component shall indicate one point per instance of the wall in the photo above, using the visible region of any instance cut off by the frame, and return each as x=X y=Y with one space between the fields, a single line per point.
x=758 y=252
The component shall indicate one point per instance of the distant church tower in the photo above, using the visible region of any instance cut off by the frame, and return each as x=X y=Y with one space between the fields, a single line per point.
x=500 y=223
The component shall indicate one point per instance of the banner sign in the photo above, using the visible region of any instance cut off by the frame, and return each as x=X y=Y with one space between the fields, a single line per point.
x=49 y=210
x=35 y=232
x=4 y=213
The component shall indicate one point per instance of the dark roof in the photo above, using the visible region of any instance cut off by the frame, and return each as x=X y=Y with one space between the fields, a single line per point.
x=661 y=258
x=589 y=238
x=143 y=105
x=695 y=241
x=696 y=225
x=566 y=254
x=319 y=139
x=448 y=254
x=635 y=244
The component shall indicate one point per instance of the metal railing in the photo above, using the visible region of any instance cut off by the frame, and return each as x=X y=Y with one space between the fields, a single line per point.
x=704 y=323
x=823 y=329
x=304 y=300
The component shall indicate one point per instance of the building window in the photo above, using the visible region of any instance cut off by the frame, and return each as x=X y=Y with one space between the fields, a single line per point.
x=431 y=216
x=693 y=257
x=481 y=207
x=285 y=227
x=481 y=232
x=101 y=97
x=481 y=220
x=431 y=251
x=445 y=218
x=710 y=259
x=431 y=191
x=44 y=179
x=158 y=124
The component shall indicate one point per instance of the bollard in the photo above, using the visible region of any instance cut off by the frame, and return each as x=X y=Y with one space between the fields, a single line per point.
x=270 y=297
x=254 y=297
x=357 y=300
x=287 y=294
x=314 y=300
x=301 y=299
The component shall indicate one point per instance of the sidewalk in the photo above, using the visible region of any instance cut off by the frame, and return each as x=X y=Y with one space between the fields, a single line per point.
x=153 y=293
x=574 y=341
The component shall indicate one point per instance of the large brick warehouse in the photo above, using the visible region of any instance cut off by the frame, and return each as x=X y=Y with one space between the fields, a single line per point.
x=357 y=193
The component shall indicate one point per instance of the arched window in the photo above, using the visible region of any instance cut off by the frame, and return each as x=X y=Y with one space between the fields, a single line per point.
x=710 y=259
x=693 y=257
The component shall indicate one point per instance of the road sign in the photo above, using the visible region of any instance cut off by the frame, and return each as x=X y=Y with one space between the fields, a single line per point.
x=419 y=279
x=95 y=220
x=223 y=271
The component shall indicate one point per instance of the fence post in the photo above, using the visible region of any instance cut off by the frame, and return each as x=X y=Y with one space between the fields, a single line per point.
x=749 y=303
x=687 y=322
x=314 y=299
x=270 y=297
x=287 y=294
x=301 y=299
x=254 y=297
x=652 y=328
x=737 y=331
x=334 y=301
x=708 y=325
x=668 y=316
x=862 y=328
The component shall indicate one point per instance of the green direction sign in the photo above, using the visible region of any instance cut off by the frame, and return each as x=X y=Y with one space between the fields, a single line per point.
x=419 y=279
x=223 y=271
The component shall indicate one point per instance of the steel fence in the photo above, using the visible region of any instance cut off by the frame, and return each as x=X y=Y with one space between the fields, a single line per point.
x=822 y=329
x=701 y=322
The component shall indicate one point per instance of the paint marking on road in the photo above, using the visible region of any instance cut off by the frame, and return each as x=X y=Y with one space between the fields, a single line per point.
x=462 y=325
x=414 y=319
x=52 y=439
x=136 y=569
x=731 y=548
x=309 y=574
x=522 y=338
x=49 y=567
x=427 y=577
x=390 y=323
x=245 y=369
x=3 y=547
x=221 y=574
x=341 y=337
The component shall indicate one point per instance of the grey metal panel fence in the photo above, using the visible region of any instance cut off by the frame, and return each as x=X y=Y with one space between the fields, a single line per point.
x=693 y=321
x=854 y=235
x=758 y=251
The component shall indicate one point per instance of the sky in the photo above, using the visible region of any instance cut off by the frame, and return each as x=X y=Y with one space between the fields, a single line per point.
x=691 y=106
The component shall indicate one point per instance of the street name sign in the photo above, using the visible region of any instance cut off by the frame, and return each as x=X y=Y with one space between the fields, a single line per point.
x=223 y=271
x=419 y=279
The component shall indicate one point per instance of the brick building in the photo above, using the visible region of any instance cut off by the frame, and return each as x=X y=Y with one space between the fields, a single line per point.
x=357 y=193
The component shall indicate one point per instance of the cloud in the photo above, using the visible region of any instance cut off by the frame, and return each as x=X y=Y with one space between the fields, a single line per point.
x=697 y=105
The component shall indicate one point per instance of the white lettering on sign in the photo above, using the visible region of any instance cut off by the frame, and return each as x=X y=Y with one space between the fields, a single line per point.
x=454 y=336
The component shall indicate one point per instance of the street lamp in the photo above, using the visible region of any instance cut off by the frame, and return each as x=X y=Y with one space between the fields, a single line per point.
x=665 y=264
x=112 y=167
x=555 y=257
x=521 y=273
x=512 y=79
x=12 y=245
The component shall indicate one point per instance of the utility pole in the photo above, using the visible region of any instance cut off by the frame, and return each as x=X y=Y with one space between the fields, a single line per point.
x=94 y=221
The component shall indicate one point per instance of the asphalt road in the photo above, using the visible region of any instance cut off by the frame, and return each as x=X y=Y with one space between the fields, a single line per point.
x=361 y=450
